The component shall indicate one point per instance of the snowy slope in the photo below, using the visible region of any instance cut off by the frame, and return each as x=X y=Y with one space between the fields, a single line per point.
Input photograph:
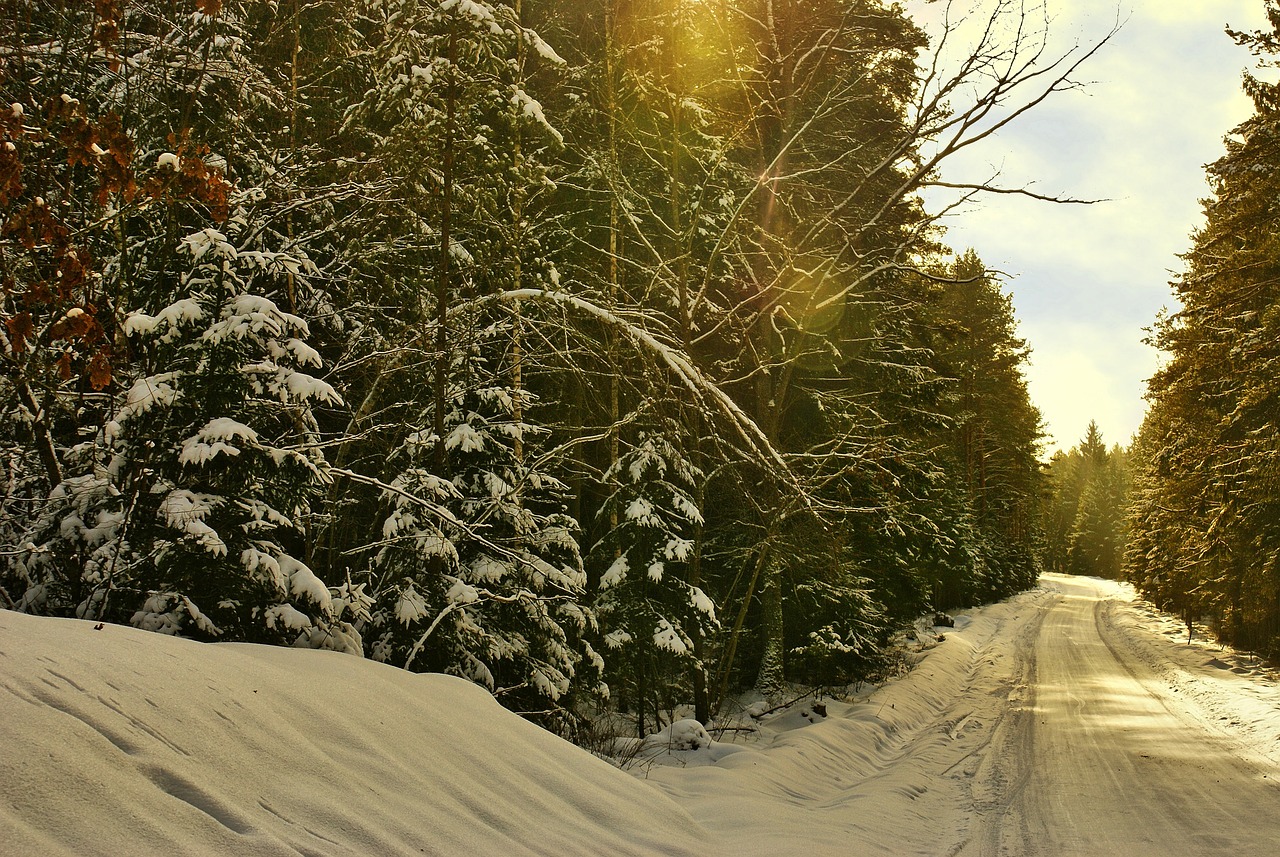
x=120 y=741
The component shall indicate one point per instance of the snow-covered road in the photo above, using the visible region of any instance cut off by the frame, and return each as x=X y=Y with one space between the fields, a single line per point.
x=1102 y=754
x=1071 y=720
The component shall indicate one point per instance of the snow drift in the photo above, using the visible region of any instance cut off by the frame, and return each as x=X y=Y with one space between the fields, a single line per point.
x=119 y=741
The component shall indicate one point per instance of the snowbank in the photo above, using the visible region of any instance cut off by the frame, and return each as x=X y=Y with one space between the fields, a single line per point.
x=889 y=774
x=118 y=741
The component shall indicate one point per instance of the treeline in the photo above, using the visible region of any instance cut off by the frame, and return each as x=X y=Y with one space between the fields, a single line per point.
x=1206 y=529
x=577 y=349
x=1086 y=509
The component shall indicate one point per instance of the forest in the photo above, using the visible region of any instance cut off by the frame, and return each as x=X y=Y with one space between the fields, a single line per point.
x=606 y=355
x=1205 y=531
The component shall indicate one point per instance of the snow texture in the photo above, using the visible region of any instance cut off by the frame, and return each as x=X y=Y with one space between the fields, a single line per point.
x=118 y=741
x=214 y=440
x=147 y=393
x=122 y=742
x=185 y=511
x=180 y=312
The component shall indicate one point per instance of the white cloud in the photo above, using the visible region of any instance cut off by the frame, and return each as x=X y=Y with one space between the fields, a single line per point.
x=1194 y=12
x=1087 y=279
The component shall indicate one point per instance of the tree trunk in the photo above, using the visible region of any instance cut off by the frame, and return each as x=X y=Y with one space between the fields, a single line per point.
x=769 y=680
x=446 y=255
x=698 y=672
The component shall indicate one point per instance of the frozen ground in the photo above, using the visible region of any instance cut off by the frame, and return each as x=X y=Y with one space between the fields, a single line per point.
x=1069 y=720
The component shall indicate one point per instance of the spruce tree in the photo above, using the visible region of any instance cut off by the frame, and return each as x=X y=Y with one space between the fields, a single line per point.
x=1206 y=537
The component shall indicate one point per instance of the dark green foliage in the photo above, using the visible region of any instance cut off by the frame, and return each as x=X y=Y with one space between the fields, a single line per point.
x=1086 y=508
x=1206 y=521
x=379 y=326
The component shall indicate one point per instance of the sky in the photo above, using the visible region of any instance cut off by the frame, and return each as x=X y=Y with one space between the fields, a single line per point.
x=1087 y=279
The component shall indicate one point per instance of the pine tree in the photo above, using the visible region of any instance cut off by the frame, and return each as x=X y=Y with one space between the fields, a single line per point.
x=995 y=432
x=172 y=402
x=1086 y=508
x=1205 y=528
x=650 y=614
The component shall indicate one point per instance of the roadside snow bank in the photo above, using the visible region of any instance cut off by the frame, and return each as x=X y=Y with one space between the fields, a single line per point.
x=118 y=741
x=1232 y=692
x=890 y=774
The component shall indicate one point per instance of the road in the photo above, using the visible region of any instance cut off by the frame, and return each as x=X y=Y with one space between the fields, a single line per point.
x=1099 y=753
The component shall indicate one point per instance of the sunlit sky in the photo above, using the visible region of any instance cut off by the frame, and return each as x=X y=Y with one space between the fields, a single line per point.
x=1086 y=280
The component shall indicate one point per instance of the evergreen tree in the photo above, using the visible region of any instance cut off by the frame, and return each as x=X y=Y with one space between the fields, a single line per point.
x=995 y=430
x=169 y=397
x=379 y=325
x=1086 y=508
x=1206 y=533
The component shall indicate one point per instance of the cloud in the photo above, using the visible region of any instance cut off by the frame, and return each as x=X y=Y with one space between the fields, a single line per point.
x=1088 y=279
x=1197 y=12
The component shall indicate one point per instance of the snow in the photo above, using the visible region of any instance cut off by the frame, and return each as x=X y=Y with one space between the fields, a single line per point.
x=119 y=741
x=615 y=573
x=185 y=511
x=199 y=244
x=641 y=511
x=464 y=438
x=478 y=11
x=462 y=592
x=665 y=636
x=303 y=353
x=247 y=313
x=487 y=569
x=543 y=49
x=303 y=581
x=460 y=253
x=303 y=387
x=617 y=639
x=411 y=606
x=177 y=313
x=530 y=108
x=147 y=393
x=702 y=602
x=288 y=616
x=685 y=734
x=678 y=549
x=212 y=441
x=254 y=560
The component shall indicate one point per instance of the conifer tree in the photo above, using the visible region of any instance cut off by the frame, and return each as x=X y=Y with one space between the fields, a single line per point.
x=1206 y=537
x=172 y=397
x=995 y=429
x=1086 y=508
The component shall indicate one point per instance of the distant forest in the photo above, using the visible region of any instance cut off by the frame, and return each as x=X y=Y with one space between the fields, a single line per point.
x=597 y=353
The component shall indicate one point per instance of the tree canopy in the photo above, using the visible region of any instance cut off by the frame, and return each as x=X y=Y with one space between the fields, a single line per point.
x=1206 y=525
x=585 y=351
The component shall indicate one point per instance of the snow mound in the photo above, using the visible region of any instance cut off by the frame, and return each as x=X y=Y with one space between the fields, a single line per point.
x=118 y=741
x=682 y=735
